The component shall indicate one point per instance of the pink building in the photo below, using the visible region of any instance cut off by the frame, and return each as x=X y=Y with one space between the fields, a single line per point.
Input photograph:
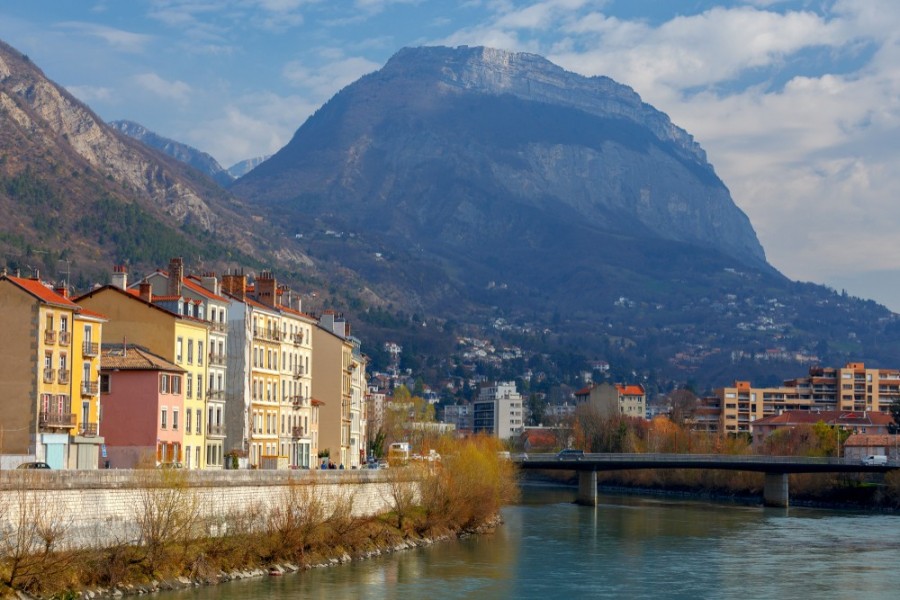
x=142 y=402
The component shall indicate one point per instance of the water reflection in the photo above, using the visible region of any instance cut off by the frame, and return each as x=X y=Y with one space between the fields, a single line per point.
x=626 y=547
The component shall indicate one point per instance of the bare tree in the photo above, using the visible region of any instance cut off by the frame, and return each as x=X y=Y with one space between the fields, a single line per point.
x=166 y=515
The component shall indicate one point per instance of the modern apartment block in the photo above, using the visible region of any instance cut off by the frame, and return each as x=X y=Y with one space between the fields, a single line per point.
x=849 y=388
x=49 y=376
x=498 y=410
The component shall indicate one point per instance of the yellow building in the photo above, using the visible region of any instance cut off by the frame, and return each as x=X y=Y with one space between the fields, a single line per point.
x=175 y=329
x=49 y=371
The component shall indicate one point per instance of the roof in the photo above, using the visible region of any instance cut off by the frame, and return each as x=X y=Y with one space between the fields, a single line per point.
x=830 y=417
x=135 y=295
x=315 y=402
x=92 y=315
x=41 y=291
x=194 y=285
x=630 y=390
x=868 y=439
x=129 y=357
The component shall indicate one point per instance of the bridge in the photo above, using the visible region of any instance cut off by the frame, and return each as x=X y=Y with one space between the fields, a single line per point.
x=775 y=468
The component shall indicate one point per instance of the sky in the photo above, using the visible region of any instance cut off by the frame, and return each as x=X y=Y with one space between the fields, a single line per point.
x=797 y=103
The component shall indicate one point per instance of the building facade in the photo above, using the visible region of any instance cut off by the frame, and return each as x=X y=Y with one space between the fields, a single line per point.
x=49 y=369
x=498 y=410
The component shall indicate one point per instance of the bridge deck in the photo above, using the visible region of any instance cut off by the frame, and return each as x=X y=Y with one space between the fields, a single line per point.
x=761 y=464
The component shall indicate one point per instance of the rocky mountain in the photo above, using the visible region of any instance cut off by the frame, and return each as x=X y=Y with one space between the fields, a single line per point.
x=74 y=188
x=198 y=159
x=243 y=167
x=497 y=188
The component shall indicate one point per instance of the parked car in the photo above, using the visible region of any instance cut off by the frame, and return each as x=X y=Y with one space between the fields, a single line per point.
x=570 y=454
x=34 y=465
x=875 y=459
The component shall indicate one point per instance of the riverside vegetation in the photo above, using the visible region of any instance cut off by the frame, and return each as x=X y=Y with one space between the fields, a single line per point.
x=173 y=542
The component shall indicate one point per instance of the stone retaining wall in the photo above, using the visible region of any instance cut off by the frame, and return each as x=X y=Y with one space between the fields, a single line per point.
x=100 y=508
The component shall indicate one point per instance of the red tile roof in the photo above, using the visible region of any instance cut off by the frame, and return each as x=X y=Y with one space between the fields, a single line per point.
x=630 y=390
x=41 y=292
x=868 y=439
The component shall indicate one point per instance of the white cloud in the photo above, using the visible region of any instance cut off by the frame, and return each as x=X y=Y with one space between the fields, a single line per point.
x=169 y=90
x=121 y=40
x=324 y=80
x=88 y=94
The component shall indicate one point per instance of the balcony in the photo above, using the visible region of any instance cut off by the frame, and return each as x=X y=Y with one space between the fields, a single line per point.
x=90 y=388
x=216 y=326
x=49 y=375
x=64 y=375
x=216 y=359
x=49 y=337
x=297 y=401
x=299 y=372
x=64 y=338
x=297 y=338
x=88 y=430
x=297 y=432
x=218 y=430
x=215 y=395
x=89 y=349
x=53 y=419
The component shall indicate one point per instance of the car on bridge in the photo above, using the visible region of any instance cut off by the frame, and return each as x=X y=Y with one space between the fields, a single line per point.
x=875 y=459
x=570 y=454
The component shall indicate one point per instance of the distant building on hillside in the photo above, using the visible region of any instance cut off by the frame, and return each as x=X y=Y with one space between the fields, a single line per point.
x=498 y=410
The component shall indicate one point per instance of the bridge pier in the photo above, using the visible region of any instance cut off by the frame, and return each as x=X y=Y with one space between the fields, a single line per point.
x=775 y=492
x=587 y=488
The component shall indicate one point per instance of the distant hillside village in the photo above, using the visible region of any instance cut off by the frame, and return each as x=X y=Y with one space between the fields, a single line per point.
x=202 y=372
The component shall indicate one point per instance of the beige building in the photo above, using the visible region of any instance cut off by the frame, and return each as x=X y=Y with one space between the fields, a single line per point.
x=331 y=385
x=498 y=410
x=624 y=399
x=49 y=373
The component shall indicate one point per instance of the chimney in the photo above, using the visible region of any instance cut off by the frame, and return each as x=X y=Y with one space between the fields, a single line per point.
x=62 y=289
x=210 y=282
x=120 y=277
x=235 y=284
x=146 y=292
x=176 y=274
x=266 y=289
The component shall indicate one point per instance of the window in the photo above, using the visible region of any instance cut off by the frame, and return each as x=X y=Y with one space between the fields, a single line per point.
x=198 y=426
x=178 y=345
x=187 y=421
x=199 y=353
x=176 y=385
x=63 y=323
x=48 y=360
x=164 y=384
x=199 y=387
x=174 y=418
x=190 y=386
x=62 y=362
x=164 y=418
x=49 y=322
x=104 y=384
x=190 y=354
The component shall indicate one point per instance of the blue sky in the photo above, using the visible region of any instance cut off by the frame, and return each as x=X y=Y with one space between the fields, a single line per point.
x=797 y=103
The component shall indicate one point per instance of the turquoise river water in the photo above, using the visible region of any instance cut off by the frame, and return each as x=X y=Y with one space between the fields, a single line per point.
x=628 y=547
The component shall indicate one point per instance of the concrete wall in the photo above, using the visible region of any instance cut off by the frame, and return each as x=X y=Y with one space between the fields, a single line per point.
x=99 y=508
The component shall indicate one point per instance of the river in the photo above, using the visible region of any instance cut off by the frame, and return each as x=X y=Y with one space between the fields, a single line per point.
x=628 y=547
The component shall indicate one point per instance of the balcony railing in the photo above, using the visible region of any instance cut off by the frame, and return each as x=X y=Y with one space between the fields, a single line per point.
x=64 y=337
x=215 y=395
x=297 y=432
x=64 y=375
x=297 y=338
x=88 y=430
x=53 y=419
x=299 y=372
x=90 y=349
x=216 y=326
x=297 y=401
x=49 y=337
x=216 y=359
x=49 y=375
x=90 y=388
x=215 y=430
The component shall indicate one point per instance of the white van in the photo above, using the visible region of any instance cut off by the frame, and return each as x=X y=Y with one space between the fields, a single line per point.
x=875 y=459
